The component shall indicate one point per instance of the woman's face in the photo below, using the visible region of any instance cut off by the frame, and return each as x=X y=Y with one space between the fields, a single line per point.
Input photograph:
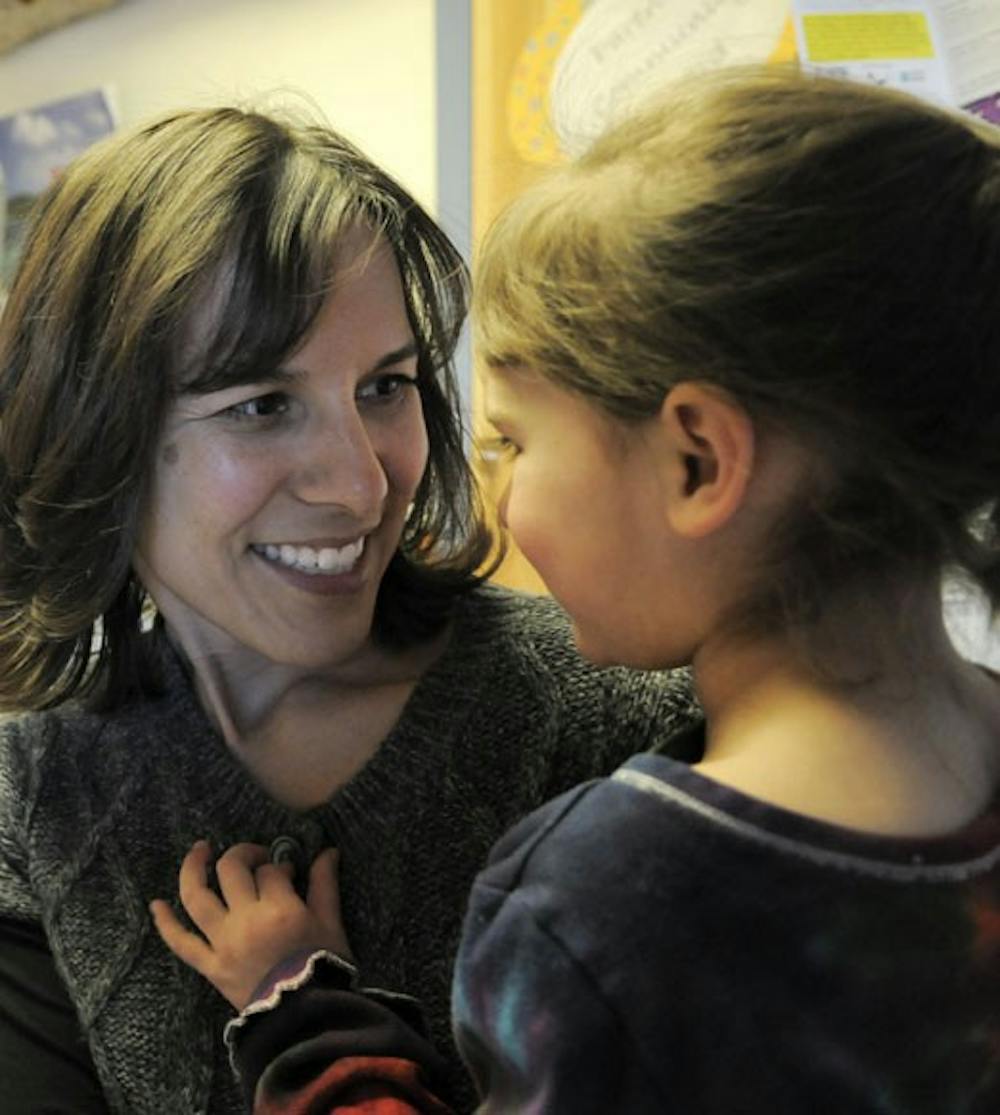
x=276 y=506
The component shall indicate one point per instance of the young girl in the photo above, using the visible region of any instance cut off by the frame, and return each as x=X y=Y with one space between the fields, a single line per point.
x=745 y=354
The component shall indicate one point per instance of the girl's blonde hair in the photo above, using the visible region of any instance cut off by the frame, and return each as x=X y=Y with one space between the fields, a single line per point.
x=827 y=253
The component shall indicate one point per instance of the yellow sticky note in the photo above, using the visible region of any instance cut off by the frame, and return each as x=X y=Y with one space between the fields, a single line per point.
x=867 y=35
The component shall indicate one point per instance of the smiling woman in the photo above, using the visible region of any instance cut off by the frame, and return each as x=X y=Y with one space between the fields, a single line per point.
x=177 y=295
x=242 y=599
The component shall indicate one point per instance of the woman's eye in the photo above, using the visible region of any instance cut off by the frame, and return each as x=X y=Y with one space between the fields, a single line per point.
x=260 y=407
x=386 y=387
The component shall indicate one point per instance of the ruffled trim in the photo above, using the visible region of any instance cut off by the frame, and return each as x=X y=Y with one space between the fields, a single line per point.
x=301 y=972
x=294 y=973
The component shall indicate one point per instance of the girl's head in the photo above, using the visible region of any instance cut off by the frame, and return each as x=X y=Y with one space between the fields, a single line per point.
x=193 y=256
x=821 y=257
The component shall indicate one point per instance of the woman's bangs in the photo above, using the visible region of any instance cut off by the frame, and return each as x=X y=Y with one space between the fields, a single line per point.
x=265 y=295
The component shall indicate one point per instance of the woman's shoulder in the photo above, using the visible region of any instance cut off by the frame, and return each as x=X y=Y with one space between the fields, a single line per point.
x=79 y=790
x=502 y=634
x=26 y=739
x=38 y=771
x=499 y=631
x=525 y=627
x=76 y=758
x=31 y=737
x=505 y=610
x=51 y=754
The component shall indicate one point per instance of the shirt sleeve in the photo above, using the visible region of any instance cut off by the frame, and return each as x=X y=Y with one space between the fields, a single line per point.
x=44 y=1061
x=311 y=1041
x=531 y=1021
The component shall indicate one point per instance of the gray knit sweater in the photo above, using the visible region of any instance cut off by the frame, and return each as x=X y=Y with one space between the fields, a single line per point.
x=96 y=814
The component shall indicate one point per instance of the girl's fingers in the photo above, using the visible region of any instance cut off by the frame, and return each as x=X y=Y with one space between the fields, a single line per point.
x=235 y=872
x=202 y=905
x=324 y=896
x=274 y=882
x=324 y=888
x=184 y=944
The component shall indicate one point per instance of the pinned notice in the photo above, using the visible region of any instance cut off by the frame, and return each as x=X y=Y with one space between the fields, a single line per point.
x=867 y=35
x=945 y=50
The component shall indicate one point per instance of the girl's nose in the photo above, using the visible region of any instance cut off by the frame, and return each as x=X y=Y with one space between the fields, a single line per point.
x=341 y=467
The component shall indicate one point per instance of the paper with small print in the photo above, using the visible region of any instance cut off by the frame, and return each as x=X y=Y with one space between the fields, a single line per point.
x=945 y=50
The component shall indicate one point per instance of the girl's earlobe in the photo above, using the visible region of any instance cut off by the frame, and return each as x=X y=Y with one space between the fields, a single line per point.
x=710 y=447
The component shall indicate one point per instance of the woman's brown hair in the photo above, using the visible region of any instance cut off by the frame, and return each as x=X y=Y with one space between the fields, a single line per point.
x=121 y=252
x=827 y=253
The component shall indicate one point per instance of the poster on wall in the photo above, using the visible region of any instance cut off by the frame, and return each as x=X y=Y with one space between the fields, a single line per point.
x=620 y=51
x=945 y=50
x=587 y=61
x=35 y=144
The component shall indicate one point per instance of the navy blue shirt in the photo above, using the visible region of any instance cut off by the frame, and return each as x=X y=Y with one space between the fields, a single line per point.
x=657 y=942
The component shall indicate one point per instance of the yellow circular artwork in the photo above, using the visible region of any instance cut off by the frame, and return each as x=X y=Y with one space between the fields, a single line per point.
x=528 y=119
x=529 y=94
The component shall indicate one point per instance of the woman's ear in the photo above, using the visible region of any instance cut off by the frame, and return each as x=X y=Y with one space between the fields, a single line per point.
x=709 y=440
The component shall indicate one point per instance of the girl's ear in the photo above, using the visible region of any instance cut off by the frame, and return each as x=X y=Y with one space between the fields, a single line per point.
x=709 y=439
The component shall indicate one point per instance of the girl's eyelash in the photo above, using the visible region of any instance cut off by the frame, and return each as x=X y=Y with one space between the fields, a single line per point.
x=498 y=448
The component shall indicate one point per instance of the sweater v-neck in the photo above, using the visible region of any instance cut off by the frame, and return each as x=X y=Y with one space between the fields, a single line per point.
x=434 y=714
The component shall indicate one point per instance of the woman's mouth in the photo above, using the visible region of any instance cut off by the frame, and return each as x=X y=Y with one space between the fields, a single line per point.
x=329 y=560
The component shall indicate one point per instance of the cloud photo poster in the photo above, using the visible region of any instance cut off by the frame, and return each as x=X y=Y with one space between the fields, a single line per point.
x=36 y=143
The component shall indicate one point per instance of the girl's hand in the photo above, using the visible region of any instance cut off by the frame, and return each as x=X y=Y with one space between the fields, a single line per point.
x=258 y=921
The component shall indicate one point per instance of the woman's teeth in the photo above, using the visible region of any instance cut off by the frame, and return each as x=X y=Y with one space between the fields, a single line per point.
x=306 y=559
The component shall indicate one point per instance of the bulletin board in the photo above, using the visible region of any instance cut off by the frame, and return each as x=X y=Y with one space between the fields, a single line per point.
x=549 y=75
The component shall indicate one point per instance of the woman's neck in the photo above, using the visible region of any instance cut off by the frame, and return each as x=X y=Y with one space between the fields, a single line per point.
x=302 y=733
x=242 y=691
x=912 y=748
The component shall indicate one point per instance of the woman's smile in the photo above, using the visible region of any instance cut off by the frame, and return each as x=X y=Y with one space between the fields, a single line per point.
x=310 y=558
x=324 y=570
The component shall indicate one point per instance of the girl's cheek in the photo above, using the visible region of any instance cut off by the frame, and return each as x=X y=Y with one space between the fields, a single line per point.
x=520 y=520
x=502 y=504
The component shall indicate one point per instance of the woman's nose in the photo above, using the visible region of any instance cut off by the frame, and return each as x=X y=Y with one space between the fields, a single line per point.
x=341 y=466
